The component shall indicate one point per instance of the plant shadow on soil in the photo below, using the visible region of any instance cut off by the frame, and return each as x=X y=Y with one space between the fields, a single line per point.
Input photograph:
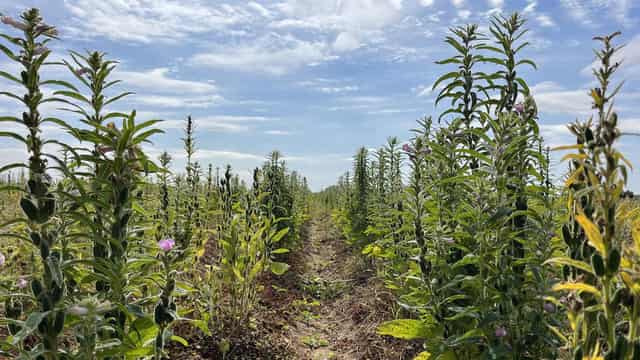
x=327 y=306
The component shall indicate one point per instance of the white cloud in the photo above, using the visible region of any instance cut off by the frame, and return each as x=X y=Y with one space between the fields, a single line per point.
x=219 y=123
x=338 y=15
x=203 y=101
x=338 y=89
x=271 y=54
x=153 y=20
x=553 y=98
x=426 y=3
x=158 y=81
x=631 y=125
x=464 y=14
x=346 y=41
x=278 y=132
x=458 y=3
x=495 y=3
x=545 y=20
x=590 y=12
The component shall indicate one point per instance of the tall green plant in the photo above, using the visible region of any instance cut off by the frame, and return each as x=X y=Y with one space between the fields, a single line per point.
x=39 y=199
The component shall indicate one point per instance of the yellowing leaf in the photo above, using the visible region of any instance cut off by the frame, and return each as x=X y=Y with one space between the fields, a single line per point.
x=592 y=232
x=425 y=355
x=563 y=260
x=406 y=329
x=568 y=147
x=576 y=287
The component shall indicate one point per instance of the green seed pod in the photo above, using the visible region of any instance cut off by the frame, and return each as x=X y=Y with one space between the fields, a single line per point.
x=577 y=353
x=43 y=327
x=598 y=264
x=618 y=296
x=29 y=208
x=636 y=350
x=613 y=262
x=58 y=324
x=621 y=347
x=566 y=235
x=44 y=249
x=36 y=239
x=159 y=314
x=56 y=293
x=602 y=324
x=36 y=287
x=160 y=341
x=47 y=209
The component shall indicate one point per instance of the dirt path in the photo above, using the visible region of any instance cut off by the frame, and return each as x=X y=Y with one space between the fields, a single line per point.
x=341 y=303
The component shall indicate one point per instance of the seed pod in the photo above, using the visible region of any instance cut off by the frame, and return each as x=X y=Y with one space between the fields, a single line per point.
x=618 y=296
x=44 y=249
x=47 y=209
x=636 y=350
x=58 y=324
x=43 y=327
x=36 y=239
x=29 y=208
x=566 y=235
x=577 y=353
x=621 y=347
x=613 y=262
x=597 y=264
x=36 y=287
x=602 y=324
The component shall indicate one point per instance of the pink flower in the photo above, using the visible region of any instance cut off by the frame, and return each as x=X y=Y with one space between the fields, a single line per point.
x=40 y=50
x=22 y=283
x=13 y=22
x=407 y=148
x=166 y=244
x=2 y=259
x=519 y=108
x=104 y=149
x=81 y=71
x=47 y=29
x=501 y=331
x=549 y=307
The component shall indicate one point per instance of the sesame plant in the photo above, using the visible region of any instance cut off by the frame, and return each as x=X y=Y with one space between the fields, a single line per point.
x=39 y=197
x=601 y=265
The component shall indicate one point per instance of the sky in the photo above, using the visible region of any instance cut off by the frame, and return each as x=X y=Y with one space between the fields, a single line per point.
x=316 y=79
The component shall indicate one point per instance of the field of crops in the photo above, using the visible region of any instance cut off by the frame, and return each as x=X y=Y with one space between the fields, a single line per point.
x=455 y=245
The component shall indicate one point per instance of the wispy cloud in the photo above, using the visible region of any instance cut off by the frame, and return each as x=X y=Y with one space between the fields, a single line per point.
x=553 y=98
x=219 y=123
x=149 y=21
x=272 y=54
x=157 y=80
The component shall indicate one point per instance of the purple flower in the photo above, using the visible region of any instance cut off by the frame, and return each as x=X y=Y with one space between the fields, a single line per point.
x=407 y=148
x=166 y=244
x=501 y=331
x=2 y=259
x=13 y=22
x=22 y=283
x=82 y=71
x=47 y=29
x=40 y=50
x=549 y=307
x=519 y=108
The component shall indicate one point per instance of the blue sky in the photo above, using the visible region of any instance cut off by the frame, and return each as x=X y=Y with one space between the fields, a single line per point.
x=316 y=79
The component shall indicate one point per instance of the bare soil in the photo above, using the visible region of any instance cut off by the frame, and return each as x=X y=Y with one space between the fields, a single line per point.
x=327 y=306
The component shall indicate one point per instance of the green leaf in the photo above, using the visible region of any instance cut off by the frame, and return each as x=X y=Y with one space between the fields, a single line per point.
x=280 y=251
x=180 y=340
x=279 y=268
x=29 y=326
x=563 y=260
x=406 y=329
